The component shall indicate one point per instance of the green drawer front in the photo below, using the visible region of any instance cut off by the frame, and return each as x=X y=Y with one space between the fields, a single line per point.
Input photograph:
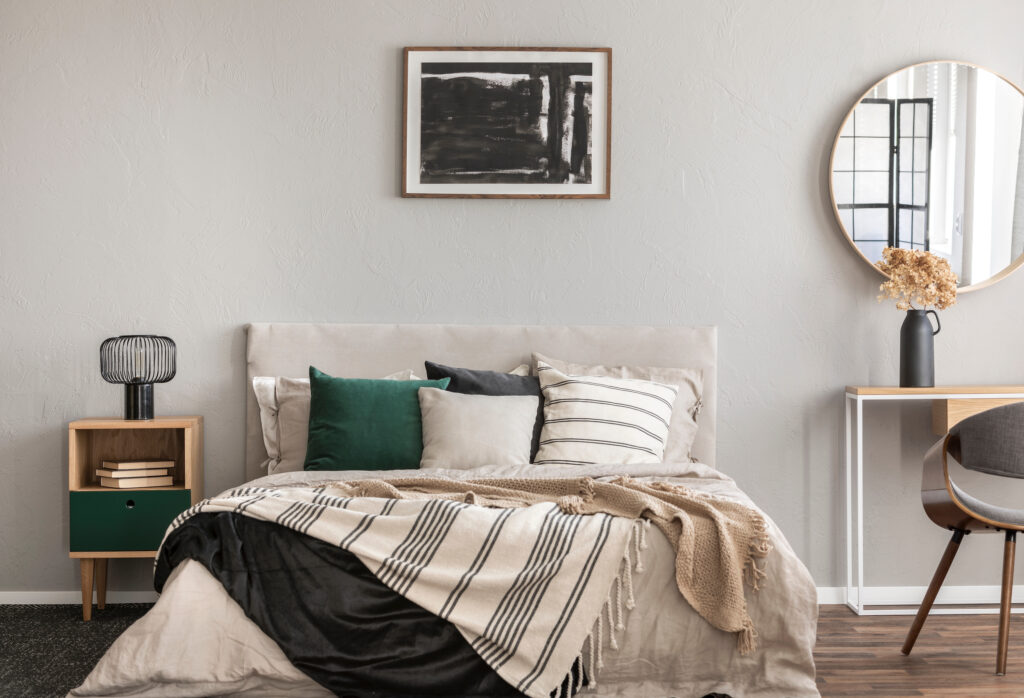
x=123 y=520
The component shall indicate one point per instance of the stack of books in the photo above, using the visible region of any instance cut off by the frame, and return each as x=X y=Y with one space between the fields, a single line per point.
x=125 y=474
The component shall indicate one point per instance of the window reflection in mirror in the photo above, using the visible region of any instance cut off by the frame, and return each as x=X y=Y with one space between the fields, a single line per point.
x=929 y=159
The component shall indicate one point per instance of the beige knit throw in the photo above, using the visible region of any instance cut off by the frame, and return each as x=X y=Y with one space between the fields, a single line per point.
x=718 y=541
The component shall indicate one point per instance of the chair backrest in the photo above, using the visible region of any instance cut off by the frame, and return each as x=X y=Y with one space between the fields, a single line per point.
x=991 y=441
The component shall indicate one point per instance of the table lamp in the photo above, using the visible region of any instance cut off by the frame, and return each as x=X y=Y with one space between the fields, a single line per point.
x=138 y=361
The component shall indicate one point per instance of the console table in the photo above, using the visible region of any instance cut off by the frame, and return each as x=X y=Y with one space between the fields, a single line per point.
x=950 y=404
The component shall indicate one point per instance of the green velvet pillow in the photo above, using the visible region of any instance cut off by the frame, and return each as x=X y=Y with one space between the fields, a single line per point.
x=363 y=424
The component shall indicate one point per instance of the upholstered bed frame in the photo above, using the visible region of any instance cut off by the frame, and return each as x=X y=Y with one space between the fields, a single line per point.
x=372 y=351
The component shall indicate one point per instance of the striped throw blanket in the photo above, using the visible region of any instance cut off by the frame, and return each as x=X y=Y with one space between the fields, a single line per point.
x=525 y=585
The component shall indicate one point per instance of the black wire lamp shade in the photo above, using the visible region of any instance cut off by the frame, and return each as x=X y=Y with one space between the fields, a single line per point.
x=138 y=361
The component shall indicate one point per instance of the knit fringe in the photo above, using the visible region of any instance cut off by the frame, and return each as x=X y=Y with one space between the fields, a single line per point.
x=746 y=640
x=573 y=682
x=760 y=547
x=575 y=503
x=620 y=597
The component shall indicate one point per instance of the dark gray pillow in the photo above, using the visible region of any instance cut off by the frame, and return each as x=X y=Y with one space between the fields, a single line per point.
x=473 y=382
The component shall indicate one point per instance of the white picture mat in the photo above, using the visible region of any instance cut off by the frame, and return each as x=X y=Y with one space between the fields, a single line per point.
x=599 y=126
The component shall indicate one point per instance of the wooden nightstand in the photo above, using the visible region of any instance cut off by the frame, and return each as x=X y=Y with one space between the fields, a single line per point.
x=107 y=522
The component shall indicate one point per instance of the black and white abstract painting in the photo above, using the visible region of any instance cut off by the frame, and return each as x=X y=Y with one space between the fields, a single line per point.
x=507 y=122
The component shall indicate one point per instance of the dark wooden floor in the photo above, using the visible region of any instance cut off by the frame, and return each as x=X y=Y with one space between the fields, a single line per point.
x=954 y=656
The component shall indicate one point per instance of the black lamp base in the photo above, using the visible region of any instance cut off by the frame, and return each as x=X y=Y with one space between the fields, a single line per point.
x=138 y=401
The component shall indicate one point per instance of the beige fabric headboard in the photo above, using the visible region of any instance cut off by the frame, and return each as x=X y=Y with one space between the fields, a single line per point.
x=371 y=351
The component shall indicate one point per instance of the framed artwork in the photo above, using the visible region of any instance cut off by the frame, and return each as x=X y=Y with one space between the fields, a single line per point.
x=507 y=123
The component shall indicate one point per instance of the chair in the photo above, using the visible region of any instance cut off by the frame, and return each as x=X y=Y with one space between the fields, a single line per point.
x=990 y=442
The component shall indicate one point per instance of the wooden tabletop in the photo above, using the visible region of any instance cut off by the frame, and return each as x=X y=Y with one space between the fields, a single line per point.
x=177 y=422
x=937 y=390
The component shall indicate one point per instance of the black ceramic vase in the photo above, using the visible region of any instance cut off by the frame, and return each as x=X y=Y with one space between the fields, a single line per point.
x=917 y=349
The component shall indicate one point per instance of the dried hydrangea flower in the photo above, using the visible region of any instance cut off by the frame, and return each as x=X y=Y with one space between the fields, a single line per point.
x=917 y=279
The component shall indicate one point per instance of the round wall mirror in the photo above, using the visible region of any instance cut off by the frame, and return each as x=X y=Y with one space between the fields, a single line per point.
x=930 y=159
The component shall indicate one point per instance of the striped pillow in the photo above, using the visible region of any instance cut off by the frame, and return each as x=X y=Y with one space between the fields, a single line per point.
x=591 y=419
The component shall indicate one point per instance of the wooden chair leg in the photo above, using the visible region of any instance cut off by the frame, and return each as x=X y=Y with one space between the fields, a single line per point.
x=101 y=582
x=87 y=566
x=1009 y=548
x=933 y=590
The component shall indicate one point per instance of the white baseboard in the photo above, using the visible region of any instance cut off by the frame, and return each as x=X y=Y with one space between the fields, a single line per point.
x=826 y=595
x=74 y=597
x=911 y=596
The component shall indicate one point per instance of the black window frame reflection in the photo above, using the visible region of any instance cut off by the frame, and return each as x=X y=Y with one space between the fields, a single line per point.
x=894 y=205
x=927 y=171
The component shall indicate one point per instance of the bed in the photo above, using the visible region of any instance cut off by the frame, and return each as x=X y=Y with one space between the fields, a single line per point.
x=198 y=640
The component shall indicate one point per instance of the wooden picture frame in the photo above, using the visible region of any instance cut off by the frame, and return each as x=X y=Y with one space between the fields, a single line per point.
x=507 y=123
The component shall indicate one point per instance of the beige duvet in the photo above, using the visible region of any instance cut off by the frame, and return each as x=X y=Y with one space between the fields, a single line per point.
x=196 y=641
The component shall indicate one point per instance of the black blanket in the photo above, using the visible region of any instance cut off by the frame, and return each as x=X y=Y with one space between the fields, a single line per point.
x=330 y=615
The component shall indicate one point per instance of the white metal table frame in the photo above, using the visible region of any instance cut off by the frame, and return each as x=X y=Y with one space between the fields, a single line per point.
x=855 y=472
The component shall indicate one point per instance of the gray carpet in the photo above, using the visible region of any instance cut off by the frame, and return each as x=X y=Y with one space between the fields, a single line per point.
x=48 y=650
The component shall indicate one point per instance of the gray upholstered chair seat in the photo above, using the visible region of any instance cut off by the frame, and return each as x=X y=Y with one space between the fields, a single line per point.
x=989 y=511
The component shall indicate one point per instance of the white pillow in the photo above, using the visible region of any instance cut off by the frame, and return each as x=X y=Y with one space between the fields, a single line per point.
x=595 y=419
x=464 y=431
x=682 y=430
x=265 y=388
x=284 y=418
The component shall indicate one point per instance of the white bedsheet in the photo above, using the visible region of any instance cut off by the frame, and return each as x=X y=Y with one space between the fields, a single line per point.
x=197 y=641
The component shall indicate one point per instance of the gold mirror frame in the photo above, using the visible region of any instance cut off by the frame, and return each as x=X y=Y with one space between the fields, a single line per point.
x=1002 y=274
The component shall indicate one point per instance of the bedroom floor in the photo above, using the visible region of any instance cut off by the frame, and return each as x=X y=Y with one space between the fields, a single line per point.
x=954 y=656
x=47 y=650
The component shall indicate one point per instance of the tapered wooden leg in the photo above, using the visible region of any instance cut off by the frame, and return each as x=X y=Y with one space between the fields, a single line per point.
x=1009 y=548
x=101 y=582
x=933 y=590
x=87 y=566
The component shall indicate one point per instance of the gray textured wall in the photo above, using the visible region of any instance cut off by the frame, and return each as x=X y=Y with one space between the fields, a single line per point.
x=186 y=167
